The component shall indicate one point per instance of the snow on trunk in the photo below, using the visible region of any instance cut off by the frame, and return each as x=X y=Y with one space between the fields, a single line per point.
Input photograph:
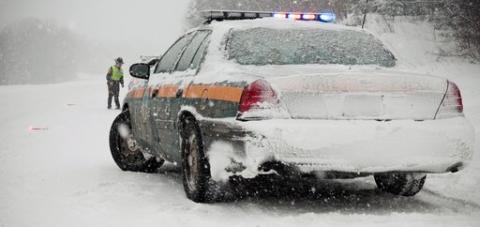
x=361 y=95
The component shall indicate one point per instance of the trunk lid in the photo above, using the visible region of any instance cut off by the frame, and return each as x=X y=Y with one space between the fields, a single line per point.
x=365 y=95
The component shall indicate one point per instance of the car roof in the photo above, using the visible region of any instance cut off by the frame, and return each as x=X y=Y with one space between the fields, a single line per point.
x=275 y=23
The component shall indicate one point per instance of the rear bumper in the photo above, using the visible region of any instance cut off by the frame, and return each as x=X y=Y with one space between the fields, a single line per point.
x=352 y=146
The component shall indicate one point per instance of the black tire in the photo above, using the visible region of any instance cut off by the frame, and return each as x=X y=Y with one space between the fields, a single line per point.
x=126 y=157
x=195 y=165
x=404 y=184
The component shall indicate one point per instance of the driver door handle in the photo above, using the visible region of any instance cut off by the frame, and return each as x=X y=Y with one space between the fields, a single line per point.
x=179 y=93
x=155 y=93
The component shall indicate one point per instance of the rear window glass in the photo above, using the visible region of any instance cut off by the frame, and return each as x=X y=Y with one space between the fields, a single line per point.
x=265 y=46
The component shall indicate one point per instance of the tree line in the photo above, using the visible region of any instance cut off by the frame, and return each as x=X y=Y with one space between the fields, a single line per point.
x=458 y=18
x=35 y=51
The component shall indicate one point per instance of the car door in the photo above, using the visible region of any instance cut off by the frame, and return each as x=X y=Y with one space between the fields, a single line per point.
x=155 y=104
x=182 y=76
x=135 y=105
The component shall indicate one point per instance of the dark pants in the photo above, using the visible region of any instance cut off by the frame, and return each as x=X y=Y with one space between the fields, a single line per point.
x=113 y=91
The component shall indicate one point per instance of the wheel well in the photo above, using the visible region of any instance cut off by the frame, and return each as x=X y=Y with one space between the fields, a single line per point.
x=125 y=107
x=180 y=123
x=183 y=115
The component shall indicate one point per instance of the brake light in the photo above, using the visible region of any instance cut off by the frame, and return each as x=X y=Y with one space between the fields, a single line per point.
x=452 y=104
x=258 y=95
x=457 y=97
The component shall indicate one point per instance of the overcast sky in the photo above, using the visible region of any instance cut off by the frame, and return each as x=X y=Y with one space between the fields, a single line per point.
x=151 y=24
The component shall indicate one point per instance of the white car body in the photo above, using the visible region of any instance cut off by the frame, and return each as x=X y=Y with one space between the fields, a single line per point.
x=335 y=118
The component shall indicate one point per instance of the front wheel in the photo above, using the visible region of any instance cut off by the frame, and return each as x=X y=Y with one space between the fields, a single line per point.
x=125 y=151
x=404 y=184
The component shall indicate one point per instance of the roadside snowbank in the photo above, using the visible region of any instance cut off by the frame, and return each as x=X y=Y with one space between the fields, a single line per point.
x=417 y=48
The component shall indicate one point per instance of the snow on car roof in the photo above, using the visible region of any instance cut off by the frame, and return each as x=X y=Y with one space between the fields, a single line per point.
x=276 y=23
x=217 y=67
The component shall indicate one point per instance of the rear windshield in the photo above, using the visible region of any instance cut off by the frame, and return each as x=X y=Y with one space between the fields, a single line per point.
x=266 y=46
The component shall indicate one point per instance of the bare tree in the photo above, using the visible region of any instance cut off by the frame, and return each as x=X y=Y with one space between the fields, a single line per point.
x=463 y=18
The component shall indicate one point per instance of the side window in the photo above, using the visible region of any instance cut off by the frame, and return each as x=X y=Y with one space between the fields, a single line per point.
x=170 y=58
x=189 y=53
x=197 y=60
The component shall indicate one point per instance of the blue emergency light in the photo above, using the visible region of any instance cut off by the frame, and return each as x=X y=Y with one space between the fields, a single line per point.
x=219 y=15
x=327 y=17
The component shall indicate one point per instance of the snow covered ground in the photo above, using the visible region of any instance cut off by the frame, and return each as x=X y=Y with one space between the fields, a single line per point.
x=63 y=175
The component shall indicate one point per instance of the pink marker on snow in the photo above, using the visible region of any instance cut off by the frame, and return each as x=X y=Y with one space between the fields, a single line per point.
x=36 y=129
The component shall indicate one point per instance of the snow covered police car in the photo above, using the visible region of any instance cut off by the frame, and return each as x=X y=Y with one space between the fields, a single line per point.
x=288 y=91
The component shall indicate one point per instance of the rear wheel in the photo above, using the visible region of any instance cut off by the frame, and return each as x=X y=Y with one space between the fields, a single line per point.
x=195 y=165
x=125 y=151
x=404 y=184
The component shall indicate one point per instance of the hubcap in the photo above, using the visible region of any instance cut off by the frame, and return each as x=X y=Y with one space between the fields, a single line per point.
x=132 y=143
x=129 y=150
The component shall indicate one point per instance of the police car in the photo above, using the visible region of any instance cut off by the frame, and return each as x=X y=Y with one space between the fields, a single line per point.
x=253 y=93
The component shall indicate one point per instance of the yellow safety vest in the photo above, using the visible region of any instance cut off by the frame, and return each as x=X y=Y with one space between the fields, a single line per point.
x=117 y=73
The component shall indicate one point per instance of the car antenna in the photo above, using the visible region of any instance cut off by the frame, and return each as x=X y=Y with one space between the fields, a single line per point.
x=365 y=14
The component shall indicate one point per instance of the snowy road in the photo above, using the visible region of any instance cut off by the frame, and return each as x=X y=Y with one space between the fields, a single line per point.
x=63 y=175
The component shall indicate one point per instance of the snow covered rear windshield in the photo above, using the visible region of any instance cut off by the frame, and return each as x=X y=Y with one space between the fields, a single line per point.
x=267 y=46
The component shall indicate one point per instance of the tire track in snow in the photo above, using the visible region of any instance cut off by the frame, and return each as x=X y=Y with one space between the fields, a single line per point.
x=447 y=202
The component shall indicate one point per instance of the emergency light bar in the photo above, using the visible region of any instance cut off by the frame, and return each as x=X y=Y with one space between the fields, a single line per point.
x=219 y=15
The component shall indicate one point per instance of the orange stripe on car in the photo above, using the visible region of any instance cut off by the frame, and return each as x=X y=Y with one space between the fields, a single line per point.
x=196 y=91
x=137 y=93
x=214 y=92
x=167 y=91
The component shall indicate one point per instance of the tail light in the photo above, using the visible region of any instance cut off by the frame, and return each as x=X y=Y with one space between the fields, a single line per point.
x=257 y=97
x=452 y=104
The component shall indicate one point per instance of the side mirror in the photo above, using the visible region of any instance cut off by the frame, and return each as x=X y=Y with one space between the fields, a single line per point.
x=140 y=70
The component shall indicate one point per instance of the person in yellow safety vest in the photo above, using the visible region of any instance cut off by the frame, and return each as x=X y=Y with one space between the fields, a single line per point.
x=114 y=80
